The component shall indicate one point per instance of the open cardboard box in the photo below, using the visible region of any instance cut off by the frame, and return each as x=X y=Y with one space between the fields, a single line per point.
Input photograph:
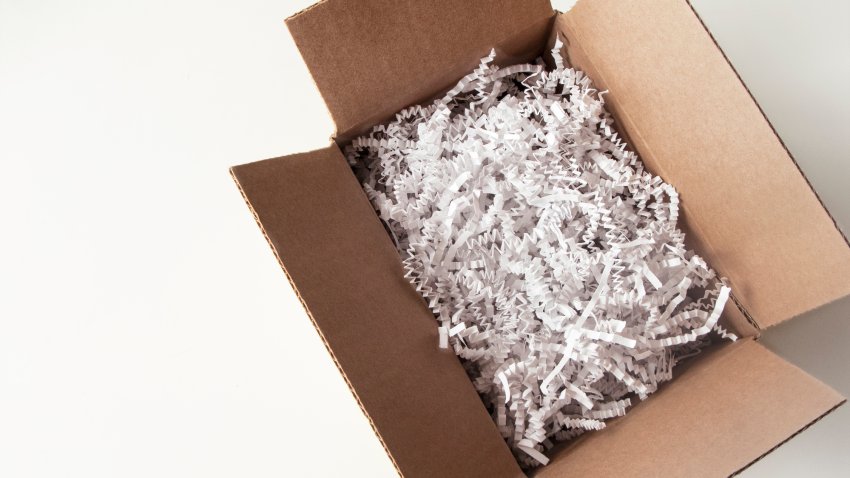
x=746 y=206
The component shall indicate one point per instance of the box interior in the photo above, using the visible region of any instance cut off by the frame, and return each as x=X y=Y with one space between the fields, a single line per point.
x=746 y=208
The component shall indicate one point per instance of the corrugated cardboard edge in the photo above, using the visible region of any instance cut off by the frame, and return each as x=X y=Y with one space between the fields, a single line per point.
x=305 y=10
x=784 y=146
x=749 y=318
x=315 y=325
x=768 y=452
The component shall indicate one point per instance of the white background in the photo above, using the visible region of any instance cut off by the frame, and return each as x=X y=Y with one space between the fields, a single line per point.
x=145 y=328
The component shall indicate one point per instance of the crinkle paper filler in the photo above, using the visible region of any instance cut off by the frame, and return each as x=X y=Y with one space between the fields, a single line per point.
x=549 y=256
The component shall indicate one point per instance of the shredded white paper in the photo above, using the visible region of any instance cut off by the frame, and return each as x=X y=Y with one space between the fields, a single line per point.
x=549 y=256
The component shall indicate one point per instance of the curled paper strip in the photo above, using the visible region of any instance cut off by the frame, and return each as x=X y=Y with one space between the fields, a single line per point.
x=549 y=256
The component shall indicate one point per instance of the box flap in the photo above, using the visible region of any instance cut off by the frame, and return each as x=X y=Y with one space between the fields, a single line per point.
x=349 y=277
x=371 y=58
x=696 y=125
x=722 y=412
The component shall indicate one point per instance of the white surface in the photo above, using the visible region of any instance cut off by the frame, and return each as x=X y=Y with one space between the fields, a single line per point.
x=145 y=329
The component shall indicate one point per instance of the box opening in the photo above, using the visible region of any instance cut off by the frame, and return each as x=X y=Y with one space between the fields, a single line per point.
x=525 y=46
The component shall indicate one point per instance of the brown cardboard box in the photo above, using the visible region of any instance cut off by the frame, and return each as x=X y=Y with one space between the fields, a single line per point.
x=748 y=209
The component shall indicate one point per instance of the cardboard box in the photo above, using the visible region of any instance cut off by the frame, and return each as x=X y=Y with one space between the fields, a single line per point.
x=747 y=208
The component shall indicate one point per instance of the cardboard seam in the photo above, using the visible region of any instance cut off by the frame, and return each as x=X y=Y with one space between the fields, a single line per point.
x=315 y=324
x=772 y=128
x=746 y=314
x=801 y=430
x=638 y=137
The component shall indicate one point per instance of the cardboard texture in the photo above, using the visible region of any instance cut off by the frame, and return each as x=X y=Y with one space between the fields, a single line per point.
x=372 y=58
x=722 y=411
x=379 y=331
x=696 y=125
x=747 y=208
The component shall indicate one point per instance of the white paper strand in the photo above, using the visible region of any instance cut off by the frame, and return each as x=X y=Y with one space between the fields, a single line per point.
x=549 y=256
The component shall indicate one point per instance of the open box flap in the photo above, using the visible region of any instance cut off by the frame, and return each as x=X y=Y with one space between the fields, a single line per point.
x=349 y=277
x=722 y=412
x=695 y=124
x=372 y=58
